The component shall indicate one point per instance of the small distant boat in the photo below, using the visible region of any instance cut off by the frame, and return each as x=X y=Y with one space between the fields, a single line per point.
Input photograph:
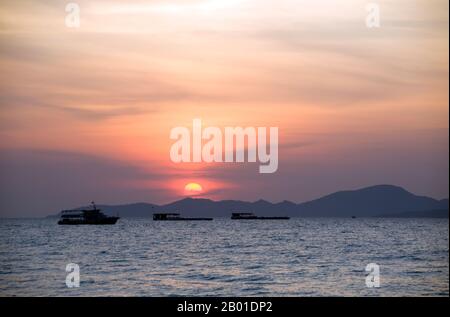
x=174 y=217
x=250 y=216
x=86 y=217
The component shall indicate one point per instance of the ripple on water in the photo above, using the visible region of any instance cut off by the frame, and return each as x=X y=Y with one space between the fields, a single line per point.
x=300 y=257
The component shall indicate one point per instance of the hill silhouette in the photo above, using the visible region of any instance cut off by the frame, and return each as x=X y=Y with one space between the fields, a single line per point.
x=374 y=201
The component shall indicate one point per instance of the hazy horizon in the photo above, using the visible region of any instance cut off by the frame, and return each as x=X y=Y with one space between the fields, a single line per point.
x=88 y=204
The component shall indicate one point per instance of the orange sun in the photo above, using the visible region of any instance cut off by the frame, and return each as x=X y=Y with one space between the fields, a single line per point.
x=193 y=188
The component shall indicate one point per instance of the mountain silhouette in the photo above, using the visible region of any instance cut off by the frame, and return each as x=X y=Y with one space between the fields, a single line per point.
x=367 y=202
x=374 y=201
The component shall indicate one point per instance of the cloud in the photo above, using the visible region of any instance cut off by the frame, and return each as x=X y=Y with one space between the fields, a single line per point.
x=311 y=68
x=39 y=182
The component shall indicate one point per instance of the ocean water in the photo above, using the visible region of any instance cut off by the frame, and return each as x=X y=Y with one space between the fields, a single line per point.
x=298 y=257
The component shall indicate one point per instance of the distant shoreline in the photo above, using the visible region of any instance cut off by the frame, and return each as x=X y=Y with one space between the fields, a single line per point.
x=376 y=201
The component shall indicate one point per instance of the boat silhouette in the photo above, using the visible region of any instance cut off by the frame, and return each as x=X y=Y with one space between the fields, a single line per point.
x=174 y=217
x=92 y=216
x=251 y=216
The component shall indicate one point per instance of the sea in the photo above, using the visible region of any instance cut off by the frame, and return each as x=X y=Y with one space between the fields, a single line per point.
x=224 y=257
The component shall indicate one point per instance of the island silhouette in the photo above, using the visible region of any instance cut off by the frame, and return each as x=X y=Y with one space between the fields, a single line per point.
x=373 y=201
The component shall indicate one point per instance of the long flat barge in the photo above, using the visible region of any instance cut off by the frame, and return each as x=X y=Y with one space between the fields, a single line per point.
x=175 y=217
x=252 y=216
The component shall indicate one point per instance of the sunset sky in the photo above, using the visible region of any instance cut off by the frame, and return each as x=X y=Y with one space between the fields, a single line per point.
x=85 y=113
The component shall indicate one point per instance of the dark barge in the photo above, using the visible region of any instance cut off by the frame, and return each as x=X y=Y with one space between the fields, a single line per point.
x=251 y=216
x=175 y=217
